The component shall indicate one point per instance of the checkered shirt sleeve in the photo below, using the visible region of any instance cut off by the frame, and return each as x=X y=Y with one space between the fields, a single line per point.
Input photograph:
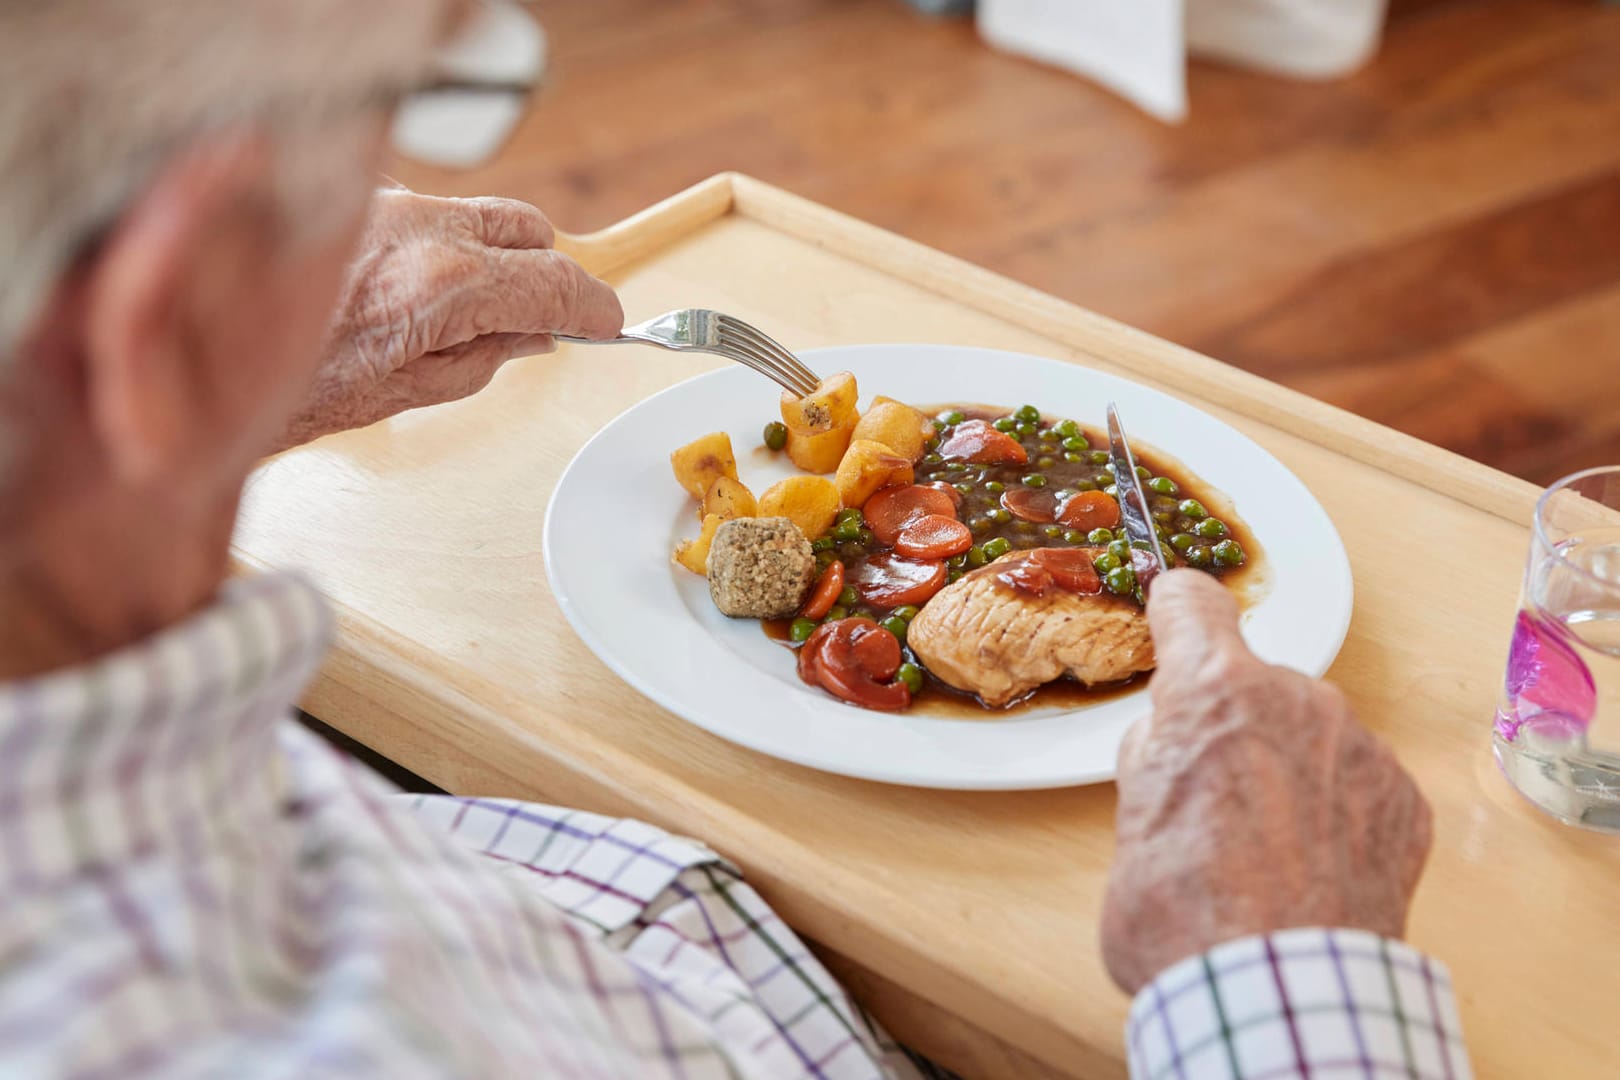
x=1299 y=1003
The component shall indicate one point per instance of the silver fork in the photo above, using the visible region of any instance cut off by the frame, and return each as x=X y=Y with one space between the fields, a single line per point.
x=702 y=330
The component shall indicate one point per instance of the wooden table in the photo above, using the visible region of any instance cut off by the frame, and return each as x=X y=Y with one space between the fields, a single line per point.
x=966 y=921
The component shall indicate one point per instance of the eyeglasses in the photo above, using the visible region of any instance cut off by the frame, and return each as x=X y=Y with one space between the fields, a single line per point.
x=458 y=121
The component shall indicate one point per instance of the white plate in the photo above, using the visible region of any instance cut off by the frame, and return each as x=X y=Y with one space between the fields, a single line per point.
x=617 y=513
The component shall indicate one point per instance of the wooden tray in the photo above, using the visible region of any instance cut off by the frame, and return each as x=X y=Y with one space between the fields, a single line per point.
x=967 y=921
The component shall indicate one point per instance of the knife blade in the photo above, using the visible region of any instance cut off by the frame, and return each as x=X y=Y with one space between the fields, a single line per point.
x=1133 y=504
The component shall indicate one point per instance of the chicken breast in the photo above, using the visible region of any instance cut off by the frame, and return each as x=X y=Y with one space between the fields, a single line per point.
x=984 y=636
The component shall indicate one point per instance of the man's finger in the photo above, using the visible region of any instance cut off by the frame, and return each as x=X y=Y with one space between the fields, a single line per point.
x=509 y=223
x=546 y=292
x=1193 y=618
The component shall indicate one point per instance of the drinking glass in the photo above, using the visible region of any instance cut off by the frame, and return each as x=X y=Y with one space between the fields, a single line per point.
x=1562 y=690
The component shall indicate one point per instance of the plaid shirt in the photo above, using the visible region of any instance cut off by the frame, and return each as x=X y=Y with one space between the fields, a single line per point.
x=191 y=885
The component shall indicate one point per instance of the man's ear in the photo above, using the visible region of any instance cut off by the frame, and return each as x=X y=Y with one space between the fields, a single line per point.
x=145 y=383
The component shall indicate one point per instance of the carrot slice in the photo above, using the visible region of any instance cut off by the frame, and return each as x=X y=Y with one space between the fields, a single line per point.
x=1070 y=568
x=854 y=663
x=1031 y=504
x=978 y=442
x=947 y=490
x=825 y=594
x=933 y=536
x=1090 y=510
x=892 y=508
x=888 y=580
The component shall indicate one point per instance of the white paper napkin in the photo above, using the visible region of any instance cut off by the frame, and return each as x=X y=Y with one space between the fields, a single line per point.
x=1139 y=48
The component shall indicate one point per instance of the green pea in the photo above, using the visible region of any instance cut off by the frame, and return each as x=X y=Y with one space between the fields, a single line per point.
x=976 y=557
x=912 y=676
x=847 y=531
x=952 y=418
x=1193 y=508
x=965 y=488
x=1025 y=430
x=906 y=612
x=1027 y=414
x=1084 y=485
x=1200 y=556
x=998 y=515
x=775 y=435
x=851 y=550
x=933 y=444
x=1163 y=485
x=1006 y=424
x=1071 y=457
x=957 y=561
x=801 y=629
x=995 y=487
x=849 y=514
x=1100 y=536
x=996 y=548
x=821 y=544
x=825 y=559
x=1046 y=462
x=1052 y=532
x=1182 y=541
x=1141 y=471
x=1211 y=529
x=1024 y=528
x=867 y=537
x=953 y=575
x=1106 y=563
x=1120 y=549
x=1121 y=581
x=1099 y=457
x=956 y=466
x=979 y=526
x=849 y=597
x=895 y=625
x=939 y=425
x=1109 y=468
x=932 y=459
x=1111 y=491
x=1101 y=480
x=1035 y=480
x=1075 y=442
x=1074 y=536
x=1228 y=553
x=835 y=613
x=1163 y=516
x=1068 y=429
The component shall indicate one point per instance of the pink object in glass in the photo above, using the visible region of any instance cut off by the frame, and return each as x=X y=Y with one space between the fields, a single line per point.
x=1550 y=688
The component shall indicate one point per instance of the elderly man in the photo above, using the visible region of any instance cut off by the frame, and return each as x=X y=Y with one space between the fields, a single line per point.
x=192 y=885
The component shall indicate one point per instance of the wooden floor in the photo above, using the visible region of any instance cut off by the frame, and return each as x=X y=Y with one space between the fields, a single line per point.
x=1434 y=243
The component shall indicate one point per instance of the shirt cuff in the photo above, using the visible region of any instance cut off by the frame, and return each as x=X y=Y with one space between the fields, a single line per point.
x=1298 y=1003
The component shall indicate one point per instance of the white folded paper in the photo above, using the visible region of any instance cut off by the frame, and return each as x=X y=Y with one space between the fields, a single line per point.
x=1139 y=48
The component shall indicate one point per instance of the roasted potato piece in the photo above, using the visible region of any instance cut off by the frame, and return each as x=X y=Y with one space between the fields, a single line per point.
x=820 y=453
x=897 y=426
x=810 y=502
x=728 y=499
x=700 y=462
x=694 y=554
x=832 y=404
x=868 y=466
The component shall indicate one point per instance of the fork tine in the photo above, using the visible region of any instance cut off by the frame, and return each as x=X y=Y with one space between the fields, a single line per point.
x=756 y=363
x=769 y=361
x=771 y=347
x=742 y=347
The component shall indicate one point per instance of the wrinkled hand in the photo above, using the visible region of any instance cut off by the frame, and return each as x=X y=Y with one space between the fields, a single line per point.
x=1249 y=801
x=441 y=294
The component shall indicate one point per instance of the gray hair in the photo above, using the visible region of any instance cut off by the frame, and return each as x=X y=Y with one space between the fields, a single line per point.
x=96 y=94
